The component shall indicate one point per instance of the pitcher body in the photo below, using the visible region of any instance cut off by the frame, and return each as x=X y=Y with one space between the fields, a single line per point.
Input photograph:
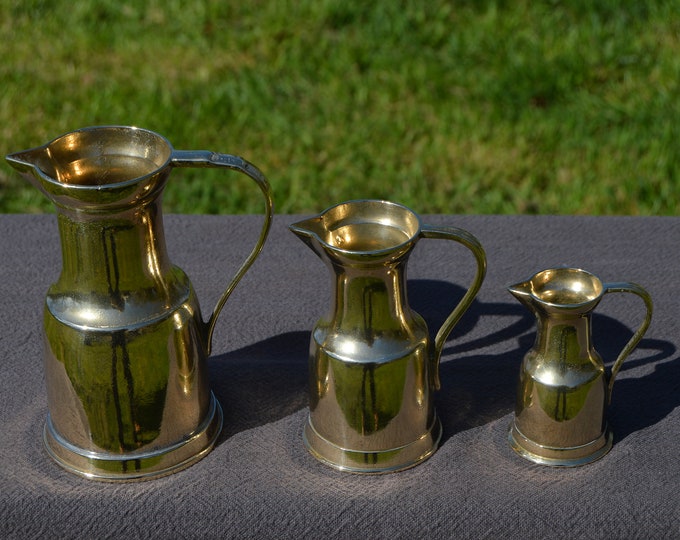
x=371 y=395
x=125 y=344
x=125 y=352
x=562 y=391
x=373 y=368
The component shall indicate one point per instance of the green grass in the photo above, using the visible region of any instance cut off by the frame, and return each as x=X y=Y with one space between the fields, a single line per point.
x=569 y=107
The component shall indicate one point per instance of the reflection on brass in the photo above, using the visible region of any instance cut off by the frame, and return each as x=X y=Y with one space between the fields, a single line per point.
x=373 y=367
x=563 y=390
x=125 y=343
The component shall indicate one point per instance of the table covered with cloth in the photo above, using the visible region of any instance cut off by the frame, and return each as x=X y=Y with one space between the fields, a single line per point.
x=260 y=482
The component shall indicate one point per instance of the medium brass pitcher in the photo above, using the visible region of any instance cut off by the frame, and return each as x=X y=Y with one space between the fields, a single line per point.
x=373 y=368
x=564 y=389
x=125 y=345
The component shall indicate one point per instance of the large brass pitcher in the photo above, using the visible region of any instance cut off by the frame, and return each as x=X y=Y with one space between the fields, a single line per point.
x=125 y=345
x=373 y=367
x=564 y=388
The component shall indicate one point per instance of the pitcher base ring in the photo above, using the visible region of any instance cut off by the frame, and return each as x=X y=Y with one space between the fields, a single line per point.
x=378 y=462
x=560 y=457
x=135 y=466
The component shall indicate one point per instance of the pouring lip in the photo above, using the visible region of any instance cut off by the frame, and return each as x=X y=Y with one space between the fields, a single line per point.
x=586 y=284
x=297 y=227
x=15 y=158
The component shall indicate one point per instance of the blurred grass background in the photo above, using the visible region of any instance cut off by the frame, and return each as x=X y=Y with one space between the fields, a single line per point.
x=477 y=106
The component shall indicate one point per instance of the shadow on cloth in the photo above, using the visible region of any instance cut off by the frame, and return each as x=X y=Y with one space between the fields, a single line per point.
x=261 y=383
x=638 y=401
x=480 y=388
x=476 y=387
x=267 y=381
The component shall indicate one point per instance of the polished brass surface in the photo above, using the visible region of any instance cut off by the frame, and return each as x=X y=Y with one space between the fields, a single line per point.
x=125 y=345
x=564 y=389
x=373 y=367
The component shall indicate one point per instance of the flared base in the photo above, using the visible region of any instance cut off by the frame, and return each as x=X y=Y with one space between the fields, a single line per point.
x=135 y=466
x=560 y=457
x=377 y=462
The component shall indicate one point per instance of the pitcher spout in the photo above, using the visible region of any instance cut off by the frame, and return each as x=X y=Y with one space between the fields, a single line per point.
x=311 y=232
x=29 y=162
x=307 y=228
x=522 y=291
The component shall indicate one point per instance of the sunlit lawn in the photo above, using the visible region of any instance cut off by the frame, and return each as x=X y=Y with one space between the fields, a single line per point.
x=568 y=107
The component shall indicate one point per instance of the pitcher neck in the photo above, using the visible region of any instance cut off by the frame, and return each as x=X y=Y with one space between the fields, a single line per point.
x=371 y=298
x=114 y=251
x=566 y=337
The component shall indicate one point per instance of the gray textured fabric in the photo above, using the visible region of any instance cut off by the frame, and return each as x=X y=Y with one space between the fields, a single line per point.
x=260 y=482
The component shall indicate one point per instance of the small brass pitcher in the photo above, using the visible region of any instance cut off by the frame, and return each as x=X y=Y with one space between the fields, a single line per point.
x=564 y=390
x=125 y=345
x=372 y=366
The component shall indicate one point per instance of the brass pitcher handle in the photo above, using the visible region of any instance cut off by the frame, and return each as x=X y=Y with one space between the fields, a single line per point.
x=632 y=343
x=463 y=237
x=205 y=159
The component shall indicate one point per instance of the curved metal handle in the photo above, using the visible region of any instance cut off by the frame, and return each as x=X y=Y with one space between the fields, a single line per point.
x=462 y=237
x=204 y=159
x=632 y=343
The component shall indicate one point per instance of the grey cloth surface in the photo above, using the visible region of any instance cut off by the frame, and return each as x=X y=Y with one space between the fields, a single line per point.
x=260 y=482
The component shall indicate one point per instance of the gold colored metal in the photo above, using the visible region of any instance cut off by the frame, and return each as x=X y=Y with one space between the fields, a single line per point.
x=373 y=366
x=125 y=345
x=563 y=390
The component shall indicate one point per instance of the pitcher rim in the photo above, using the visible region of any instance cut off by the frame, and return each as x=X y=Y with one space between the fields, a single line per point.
x=346 y=251
x=94 y=187
x=570 y=306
